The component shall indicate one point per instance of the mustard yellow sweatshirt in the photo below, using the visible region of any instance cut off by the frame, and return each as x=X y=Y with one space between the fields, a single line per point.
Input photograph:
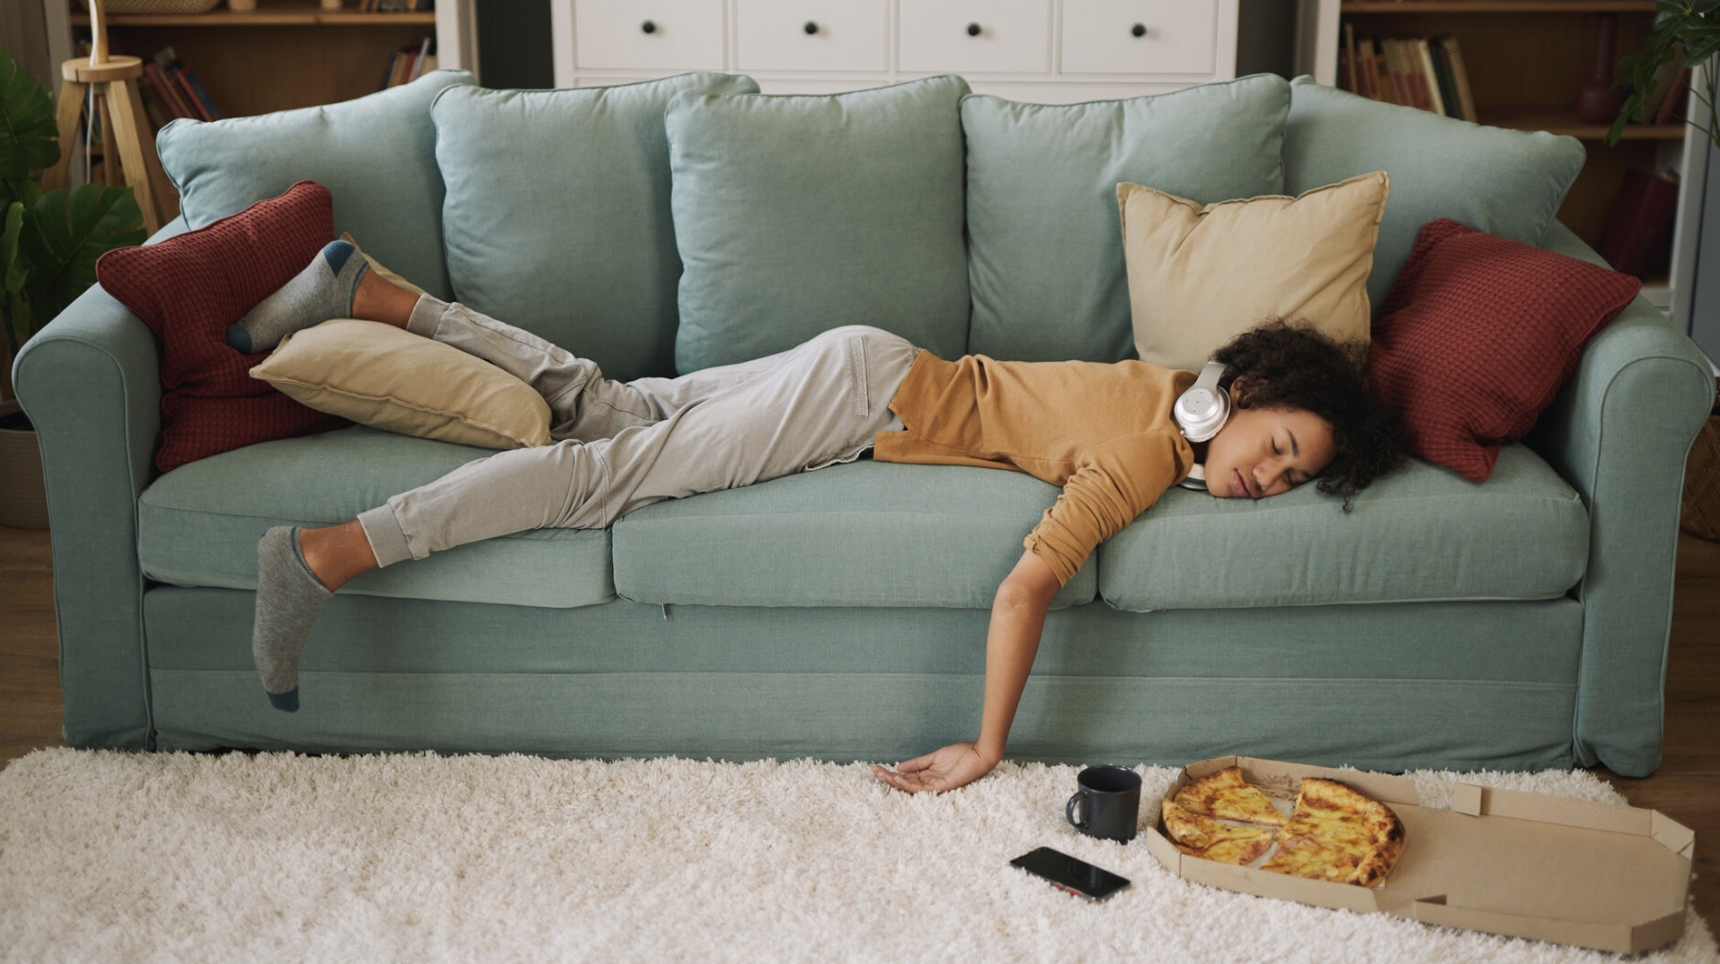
x=1103 y=432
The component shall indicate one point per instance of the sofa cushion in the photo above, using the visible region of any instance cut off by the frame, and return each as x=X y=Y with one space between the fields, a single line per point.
x=865 y=534
x=1045 y=246
x=376 y=154
x=1199 y=275
x=1419 y=534
x=796 y=214
x=557 y=218
x=199 y=525
x=1504 y=182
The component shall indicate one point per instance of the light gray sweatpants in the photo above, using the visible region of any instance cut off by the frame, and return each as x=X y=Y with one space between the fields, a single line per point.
x=619 y=446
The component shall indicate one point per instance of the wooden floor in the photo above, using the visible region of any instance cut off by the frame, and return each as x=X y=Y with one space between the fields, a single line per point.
x=1686 y=787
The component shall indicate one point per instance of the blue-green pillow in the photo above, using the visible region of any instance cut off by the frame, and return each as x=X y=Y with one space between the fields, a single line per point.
x=557 y=218
x=376 y=154
x=1503 y=182
x=1045 y=241
x=799 y=213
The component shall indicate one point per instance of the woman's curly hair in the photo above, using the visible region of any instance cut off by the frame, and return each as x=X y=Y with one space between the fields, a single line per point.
x=1293 y=366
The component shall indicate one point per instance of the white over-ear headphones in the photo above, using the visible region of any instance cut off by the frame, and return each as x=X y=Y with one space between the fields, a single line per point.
x=1203 y=409
x=1200 y=412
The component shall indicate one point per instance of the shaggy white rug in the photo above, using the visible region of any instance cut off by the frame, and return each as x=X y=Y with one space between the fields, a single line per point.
x=181 y=858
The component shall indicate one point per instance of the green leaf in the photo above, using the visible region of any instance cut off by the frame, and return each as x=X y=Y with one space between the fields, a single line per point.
x=65 y=232
x=29 y=135
x=15 y=274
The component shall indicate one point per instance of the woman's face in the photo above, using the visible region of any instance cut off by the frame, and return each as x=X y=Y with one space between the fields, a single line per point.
x=1267 y=451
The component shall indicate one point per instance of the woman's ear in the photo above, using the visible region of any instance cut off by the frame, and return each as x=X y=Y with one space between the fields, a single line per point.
x=1241 y=389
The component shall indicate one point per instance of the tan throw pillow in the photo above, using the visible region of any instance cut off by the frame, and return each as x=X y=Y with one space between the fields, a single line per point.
x=381 y=376
x=1200 y=276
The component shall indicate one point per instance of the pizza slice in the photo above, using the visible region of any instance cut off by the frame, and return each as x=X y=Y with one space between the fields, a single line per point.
x=1225 y=794
x=1338 y=834
x=1202 y=836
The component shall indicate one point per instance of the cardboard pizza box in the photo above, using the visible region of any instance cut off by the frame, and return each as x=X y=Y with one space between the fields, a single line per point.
x=1612 y=878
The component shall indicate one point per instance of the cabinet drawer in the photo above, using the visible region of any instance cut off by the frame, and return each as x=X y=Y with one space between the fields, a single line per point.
x=974 y=36
x=847 y=35
x=1140 y=36
x=648 y=34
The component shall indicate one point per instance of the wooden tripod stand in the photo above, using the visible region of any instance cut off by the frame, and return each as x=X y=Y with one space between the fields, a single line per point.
x=117 y=111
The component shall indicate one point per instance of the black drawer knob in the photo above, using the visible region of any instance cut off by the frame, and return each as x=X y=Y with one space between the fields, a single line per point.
x=810 y=28
x=973 y=29
x=648 y=27
x=1138 y=30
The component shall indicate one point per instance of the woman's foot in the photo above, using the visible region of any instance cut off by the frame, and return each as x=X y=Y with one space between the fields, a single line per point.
x=323 y=290
x=297 y=571
x=289 y=597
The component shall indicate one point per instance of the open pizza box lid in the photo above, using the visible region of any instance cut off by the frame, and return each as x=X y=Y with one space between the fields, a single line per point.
x=1608 y=877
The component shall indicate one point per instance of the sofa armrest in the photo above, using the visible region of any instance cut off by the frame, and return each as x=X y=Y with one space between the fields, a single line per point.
x=89 y=383
x=1619 y=432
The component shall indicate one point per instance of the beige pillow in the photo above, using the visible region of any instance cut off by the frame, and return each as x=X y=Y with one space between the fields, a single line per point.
x=381 y=376
x=1200 y=276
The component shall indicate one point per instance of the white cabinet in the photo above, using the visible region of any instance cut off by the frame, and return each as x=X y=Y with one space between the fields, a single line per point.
x=653 y=35
x=1039 y=50
x=1140 y=36
x=974 y=36
x=812 y=35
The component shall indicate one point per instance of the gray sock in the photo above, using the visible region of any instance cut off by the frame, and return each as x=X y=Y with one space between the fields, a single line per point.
x=323 y=290
x=289 y=596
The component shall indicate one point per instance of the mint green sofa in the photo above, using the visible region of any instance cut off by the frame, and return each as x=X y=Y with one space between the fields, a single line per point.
x=1517 y=623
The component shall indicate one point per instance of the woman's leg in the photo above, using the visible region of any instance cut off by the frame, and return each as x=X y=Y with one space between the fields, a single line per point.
x=822 y=402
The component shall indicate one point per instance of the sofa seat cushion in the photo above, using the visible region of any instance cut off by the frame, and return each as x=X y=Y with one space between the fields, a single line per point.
x=199 y=525
x=866 y=534
x=1420 y=534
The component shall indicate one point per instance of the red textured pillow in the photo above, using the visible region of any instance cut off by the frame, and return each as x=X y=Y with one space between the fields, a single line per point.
x=1477 y=336
x=189 y=288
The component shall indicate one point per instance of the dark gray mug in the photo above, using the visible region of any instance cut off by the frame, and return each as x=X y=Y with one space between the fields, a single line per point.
x=1109 y=801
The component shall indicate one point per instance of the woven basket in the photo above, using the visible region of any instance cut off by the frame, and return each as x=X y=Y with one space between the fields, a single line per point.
x=1702 y=483
x=157 y=6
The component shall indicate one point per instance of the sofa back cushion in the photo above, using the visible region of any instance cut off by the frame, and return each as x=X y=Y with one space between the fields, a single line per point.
x=1503 y=182
x=1045 y=244
x=375 y=154
x=800 y=213
x=557 y=215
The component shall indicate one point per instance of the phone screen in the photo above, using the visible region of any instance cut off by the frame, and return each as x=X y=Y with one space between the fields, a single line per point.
x=1070 y=874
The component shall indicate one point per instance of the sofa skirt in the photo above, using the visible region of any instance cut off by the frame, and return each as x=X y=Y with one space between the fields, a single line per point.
x=1385 y=687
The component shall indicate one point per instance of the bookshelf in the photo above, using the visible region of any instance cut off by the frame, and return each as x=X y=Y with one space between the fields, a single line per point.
x=1526 y=60
x=283 y=54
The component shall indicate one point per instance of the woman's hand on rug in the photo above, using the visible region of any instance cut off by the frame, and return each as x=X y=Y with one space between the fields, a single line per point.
x=953 y=766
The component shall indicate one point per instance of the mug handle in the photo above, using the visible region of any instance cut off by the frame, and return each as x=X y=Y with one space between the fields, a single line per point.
x=1069 y=810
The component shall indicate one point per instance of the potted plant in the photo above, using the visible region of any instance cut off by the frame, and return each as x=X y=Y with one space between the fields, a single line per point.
x=49 y=243
x=1688 y=26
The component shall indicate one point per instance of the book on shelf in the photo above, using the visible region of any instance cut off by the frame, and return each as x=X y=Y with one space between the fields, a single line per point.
x=1672 y=108
x=409 y=63
x=1427 y=73
x=1664 y=89
x=168 y=88
x=396 y=6
x=1638 y=235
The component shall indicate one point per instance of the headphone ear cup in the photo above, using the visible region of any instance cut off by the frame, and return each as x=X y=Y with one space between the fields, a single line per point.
x=1202 y=410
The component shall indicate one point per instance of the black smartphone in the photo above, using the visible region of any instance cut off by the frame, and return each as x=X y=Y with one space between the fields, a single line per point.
x=1069 y=874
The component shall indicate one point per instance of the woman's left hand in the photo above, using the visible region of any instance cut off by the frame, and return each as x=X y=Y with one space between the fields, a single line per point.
x=953 y=766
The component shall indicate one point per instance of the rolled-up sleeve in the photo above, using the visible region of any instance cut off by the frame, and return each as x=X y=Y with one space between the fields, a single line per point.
x=1116 y=482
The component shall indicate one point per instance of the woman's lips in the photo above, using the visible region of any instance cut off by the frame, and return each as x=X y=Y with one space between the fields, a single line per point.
x=1241 y=484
